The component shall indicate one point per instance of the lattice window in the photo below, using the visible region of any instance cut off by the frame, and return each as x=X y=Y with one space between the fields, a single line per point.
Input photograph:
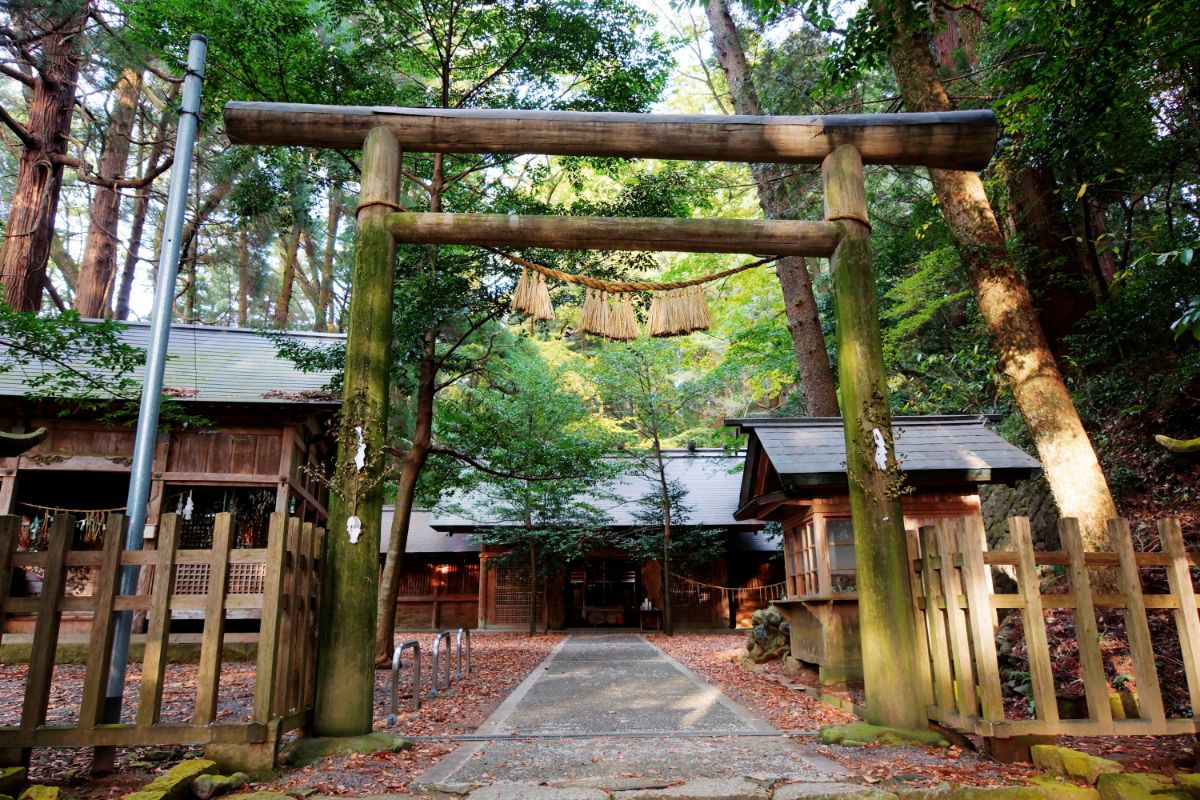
x=840 y=538
x=243 y=578
x=191 y=578
x=512 y=595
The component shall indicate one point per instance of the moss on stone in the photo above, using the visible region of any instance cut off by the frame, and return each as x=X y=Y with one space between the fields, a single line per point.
x=38 y=792
x=1087 y=766
x=1138 y=786
x=310 y=751
x=1042 y=789
x=857 y=734
x=1047 y=757
x=1190 y=784
x=11 y=780
x=175 y=783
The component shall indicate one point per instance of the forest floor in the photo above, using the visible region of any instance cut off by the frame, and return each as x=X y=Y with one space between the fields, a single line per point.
x=500 y=663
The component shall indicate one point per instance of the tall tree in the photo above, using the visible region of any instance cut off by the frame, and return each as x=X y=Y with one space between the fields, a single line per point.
x=1024 y=355
x=640 y=388
x=800 y=305
x=99 y=264
x=44 y=42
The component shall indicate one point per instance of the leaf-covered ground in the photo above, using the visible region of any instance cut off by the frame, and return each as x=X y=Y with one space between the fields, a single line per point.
x=500 y=661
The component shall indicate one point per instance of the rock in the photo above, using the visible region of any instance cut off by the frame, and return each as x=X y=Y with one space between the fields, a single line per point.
x=857 y=734
x=830 y=791
x=309 y=751
x=11 y=780
x=1086 y=766
x=769 y=637
x=1138 y=786
x=175 y=783
x=1048 y=757
x=618 y=784
x=700 y=789
x=209 y=786
x=39 y=792
x=1043 y=789
x=533 y=791
x=305 y=792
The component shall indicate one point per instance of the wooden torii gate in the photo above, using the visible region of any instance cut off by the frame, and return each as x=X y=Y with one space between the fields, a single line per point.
x=896 y=683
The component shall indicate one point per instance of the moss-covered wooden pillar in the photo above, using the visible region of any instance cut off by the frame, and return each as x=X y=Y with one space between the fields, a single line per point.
x=346 y=652
x=895 y=696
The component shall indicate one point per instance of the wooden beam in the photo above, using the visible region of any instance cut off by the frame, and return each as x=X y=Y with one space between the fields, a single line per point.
x=768 y=237
x=946 y=140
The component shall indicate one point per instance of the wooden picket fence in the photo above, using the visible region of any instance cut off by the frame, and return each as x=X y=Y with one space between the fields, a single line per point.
x=288 y=599
x=957 y=618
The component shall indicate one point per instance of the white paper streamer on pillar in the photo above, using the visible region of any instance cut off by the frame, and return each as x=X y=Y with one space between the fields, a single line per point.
x=880 y=449
x=360 y=454
x=353 y=528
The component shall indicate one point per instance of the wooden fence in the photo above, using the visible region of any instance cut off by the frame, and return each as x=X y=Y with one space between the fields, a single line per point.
x=957 y=616
x=287 y=597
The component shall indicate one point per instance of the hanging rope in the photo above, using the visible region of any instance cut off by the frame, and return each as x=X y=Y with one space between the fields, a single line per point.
x=91 y=520
x=676 y=308
x=763 y=595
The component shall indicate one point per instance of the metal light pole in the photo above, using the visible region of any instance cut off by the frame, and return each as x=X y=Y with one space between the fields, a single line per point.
x=156 y=359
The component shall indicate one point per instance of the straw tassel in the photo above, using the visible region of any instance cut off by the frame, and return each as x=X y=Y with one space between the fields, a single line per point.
x=531 y=296
x=622 y=323
x=594 y=316
x=520 y=295
x=700 y=319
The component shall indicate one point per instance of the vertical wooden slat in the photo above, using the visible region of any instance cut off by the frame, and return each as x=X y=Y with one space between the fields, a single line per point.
x=978 y=534
x=288 y=616
x=1179 y=574
x=921 y=634
x=154 y=662
x=100 y=645
x=1087 y=634
x=299 y=632
x=821 y=538
x=1150 y=702
x=209 y=680
x=267 y=672
x=313 y=599
x=10 y=528
x=947 y=532
x=1034 y=619
x=981 y=617
x=939 y=650
x=45 y=631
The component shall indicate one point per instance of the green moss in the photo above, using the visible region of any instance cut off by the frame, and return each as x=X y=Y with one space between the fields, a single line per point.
x=11 y=780
x=310 y=751
x=1042 y=789
x=175 y=783
x=857 y=734
x=1086 y=766
x=37 y=792
x=1047 y=757
x=1131 y=786
x=1190 y=784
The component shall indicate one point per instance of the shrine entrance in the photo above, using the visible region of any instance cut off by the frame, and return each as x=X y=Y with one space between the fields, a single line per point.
x=604 y=592
x=897 y=682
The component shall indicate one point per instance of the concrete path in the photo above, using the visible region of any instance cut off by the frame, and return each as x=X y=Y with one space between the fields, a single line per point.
x=615 y=711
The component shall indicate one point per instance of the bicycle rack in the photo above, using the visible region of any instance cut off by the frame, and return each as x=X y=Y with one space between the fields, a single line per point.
x=416 y=679
x=437 y=644
x=463 y=633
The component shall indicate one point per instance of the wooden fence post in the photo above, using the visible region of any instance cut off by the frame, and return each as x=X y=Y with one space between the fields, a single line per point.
x=939 y=649
x=981 y=616
x=267 y=672
x=948 y=533
x=1179 y=575
x=1087 y=634
x=287 y=621
x=920 y=617
x=213 y=639
x=154 y=659
x=885 y=607
x=10 y=528
x=45 y=631
x=1137 y=628
x=91 y=709
x=1034 y=619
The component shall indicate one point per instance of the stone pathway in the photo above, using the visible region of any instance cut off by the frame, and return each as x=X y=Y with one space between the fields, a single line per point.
x=614 y=712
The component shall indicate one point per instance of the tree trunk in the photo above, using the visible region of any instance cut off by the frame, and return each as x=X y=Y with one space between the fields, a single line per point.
x=99 y=264
x=243 y=300
x=799 y=302
x=288 y=278
x=325 y=299
x=141 y=206
x=1054 y=267
x=1024 y=356
x=26 y=245
x=887 y=623
x=533 y=584
x=668 y=623
x=411 y=465
x=345 y=684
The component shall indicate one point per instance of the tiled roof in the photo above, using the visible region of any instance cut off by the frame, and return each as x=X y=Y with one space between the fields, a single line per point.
x=712 y=488
x=959 y=445
x=219 y=365
x=422 y=538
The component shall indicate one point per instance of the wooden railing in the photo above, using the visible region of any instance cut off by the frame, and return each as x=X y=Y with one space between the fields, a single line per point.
x=283 y=690
x=957 y=616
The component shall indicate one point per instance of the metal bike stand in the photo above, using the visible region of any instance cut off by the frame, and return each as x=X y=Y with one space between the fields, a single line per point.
x=463 y=633
x=437 y=646
x=416 y=679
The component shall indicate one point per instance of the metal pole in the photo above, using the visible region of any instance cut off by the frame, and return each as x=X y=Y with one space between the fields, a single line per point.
x=156 y=358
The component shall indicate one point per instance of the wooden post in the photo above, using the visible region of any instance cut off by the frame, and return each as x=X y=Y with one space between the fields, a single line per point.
x=213 y=639
x=886 y=616
x=154 y=661
x=346 y=653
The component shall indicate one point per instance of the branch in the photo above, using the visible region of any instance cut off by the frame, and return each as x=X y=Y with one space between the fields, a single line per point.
x=466 y=459
x=17 y=75
x=28 y=139
x=86 y=175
